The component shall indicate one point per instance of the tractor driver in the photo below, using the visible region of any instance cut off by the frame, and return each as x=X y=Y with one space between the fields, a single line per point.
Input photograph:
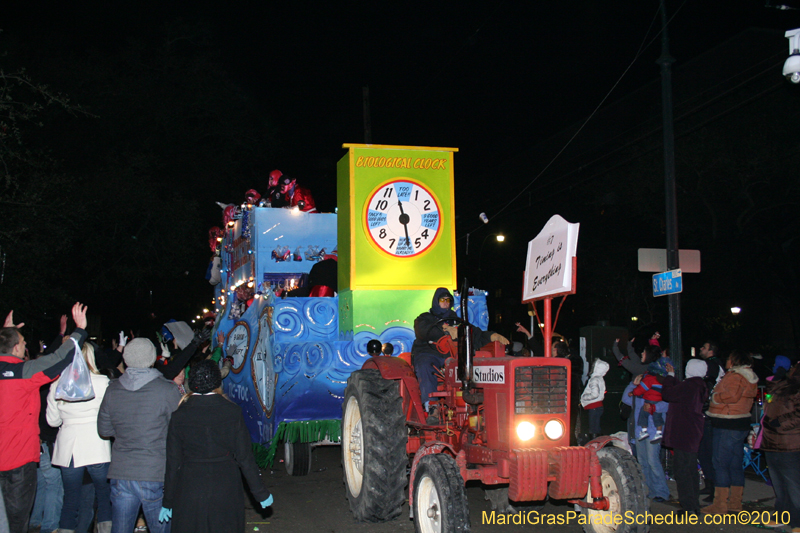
x=429 y=327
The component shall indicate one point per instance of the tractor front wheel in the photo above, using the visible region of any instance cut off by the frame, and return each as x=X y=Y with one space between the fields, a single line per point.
x=374 y=439
x=440 y=501
x=623 y=485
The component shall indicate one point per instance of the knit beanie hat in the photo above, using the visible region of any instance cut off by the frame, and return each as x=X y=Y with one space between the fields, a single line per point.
x=204 y=377
x=781 y=361
x=139 y=353
x=696 y=368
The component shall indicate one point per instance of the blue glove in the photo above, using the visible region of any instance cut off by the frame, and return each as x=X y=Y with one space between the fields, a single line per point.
x=164 y=515
x=266 y=503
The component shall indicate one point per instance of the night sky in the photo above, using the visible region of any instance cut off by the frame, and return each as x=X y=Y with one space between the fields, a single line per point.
x=492 y=79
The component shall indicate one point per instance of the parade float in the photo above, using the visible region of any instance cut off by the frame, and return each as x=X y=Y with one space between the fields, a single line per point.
x=393 y=240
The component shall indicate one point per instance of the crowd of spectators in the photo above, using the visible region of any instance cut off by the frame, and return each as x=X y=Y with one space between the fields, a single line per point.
x=707 y=418
x=67 y=465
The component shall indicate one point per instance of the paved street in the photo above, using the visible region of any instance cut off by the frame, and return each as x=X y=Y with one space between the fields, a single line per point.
x=317 y=502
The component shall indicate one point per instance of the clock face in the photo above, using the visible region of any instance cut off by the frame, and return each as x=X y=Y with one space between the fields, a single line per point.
x=237 y=344
x=262 y=368
x=402 y=218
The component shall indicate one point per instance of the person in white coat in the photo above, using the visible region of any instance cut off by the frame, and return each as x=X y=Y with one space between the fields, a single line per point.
x=79 y=447
x=593 y=394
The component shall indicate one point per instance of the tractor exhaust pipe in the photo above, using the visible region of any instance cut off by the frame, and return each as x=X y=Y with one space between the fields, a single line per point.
x=465 y=341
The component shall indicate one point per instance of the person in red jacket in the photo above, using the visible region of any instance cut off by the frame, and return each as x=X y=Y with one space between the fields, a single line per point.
x=648 y=387
x=296 y=195
x=20 y=404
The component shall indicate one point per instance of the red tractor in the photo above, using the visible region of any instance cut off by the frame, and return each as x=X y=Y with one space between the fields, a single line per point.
x=504 y=422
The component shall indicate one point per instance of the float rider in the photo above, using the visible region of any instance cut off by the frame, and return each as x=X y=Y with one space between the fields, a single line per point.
x=296 y=195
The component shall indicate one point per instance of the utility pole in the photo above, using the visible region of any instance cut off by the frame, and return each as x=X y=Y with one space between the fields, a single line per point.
x=367 y=119
x=673 y=257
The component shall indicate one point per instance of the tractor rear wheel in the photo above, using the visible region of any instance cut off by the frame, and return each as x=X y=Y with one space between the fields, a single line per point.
x=440 y=500
x=623 y=485
x=374 y=439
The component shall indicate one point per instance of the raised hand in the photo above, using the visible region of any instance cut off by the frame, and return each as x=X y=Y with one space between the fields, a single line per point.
x=79 y=315
x=62 y=325
x=10 y=321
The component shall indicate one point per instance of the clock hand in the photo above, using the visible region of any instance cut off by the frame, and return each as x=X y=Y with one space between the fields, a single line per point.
x=404 y=221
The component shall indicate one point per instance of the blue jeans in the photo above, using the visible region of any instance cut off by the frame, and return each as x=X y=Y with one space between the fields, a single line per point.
x=644 y=416
x=595 y=415
x=86 y=514
x=728 y=459
x=784 y=471
x=3 y=519
x=649 y=456
x=423 y=366
x=126 y=498
x=73 y=484
x=49 y=494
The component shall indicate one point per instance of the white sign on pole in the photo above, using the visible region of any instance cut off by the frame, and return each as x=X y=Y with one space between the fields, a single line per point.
x=655 y=260
x=548 y=269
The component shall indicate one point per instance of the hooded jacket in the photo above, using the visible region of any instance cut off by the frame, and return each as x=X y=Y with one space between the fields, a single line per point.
x=428 y=327
x=136 y=411
x=595 y=390
x=734 y=394
x=650 y=386
x=683 y=429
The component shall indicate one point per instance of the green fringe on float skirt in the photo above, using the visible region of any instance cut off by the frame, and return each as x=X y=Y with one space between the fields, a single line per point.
x=299 y=431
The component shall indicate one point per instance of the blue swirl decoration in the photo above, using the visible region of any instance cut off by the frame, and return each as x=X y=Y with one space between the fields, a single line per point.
x=307 y=359
x=305 y=319
x=352 y=355
x=322 y=315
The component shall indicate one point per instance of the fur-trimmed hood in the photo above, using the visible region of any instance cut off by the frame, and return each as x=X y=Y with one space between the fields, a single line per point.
x=746 y=372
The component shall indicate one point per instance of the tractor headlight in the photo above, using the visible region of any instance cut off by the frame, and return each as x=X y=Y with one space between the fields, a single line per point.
x=525 y=431
x=554 y=429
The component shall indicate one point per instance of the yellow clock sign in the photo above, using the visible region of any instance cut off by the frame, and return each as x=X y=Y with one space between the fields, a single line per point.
x=396 y=216
x=396 y=236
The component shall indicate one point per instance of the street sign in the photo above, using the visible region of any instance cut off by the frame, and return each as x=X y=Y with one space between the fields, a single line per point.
x=655 y=260
x=669 y=282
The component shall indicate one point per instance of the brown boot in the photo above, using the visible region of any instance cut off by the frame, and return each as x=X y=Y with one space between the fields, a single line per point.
x=720 y=505
x=735 y=500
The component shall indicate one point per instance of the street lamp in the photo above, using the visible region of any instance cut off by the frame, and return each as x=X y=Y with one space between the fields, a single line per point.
x=736 y=310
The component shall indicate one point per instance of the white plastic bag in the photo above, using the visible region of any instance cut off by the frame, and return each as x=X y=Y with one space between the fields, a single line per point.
x=75 y=383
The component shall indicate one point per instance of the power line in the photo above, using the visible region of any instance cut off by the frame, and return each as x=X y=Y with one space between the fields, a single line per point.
x=593 y=113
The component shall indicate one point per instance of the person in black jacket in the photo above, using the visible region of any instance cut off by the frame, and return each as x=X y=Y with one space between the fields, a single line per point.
x=431 y=326
x=709 y=353
x=185 y=344
x=208 y=453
